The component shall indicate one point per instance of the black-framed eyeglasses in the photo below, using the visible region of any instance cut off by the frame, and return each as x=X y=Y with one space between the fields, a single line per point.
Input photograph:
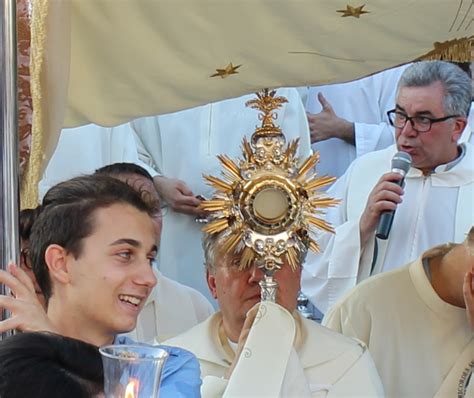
x=420 y=124
x=25 y=259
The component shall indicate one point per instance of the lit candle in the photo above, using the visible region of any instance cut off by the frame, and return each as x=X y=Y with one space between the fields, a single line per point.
x=132 y=388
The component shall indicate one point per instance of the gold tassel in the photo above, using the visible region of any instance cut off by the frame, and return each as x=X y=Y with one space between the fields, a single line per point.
x=457 y=50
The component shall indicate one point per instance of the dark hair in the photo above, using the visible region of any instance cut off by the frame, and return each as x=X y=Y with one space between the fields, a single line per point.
x=27 y=218
x=45 y=365
x=123 y=168
x=67 y=217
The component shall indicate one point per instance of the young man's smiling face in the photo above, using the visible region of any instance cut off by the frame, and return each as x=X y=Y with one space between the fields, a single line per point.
x=112 y=277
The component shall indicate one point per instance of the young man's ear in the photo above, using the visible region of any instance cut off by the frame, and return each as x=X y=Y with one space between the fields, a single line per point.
x=211 y=282
x=56 y=258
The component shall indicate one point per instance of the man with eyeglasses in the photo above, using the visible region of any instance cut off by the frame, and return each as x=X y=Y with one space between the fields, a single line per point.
x=435 y=204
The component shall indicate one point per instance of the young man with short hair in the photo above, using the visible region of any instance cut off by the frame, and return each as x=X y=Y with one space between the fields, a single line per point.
x=92 y=247
x=172 y=308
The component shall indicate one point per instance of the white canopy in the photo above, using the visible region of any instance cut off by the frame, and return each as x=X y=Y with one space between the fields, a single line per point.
x=109 y=61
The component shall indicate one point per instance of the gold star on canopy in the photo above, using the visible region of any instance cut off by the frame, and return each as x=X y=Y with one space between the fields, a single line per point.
x=353 y=11
x=229 y=70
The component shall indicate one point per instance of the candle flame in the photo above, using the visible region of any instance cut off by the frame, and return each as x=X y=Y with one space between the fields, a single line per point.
x=132 y=388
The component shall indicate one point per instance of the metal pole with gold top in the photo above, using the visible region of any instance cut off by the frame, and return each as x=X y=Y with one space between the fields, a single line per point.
x=267 y=203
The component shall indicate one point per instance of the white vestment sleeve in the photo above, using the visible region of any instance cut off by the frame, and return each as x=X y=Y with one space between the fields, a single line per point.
x=294 y=122
x=147 y=135
x=213 y=387
x=266 y=366
x=144 y=158
x=362 y=374
x=262 y=365
x=295 y=383
x=372 y=137
x=329 y=274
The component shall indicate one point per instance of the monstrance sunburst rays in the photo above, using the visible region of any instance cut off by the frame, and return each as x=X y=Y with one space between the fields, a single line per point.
x=267 y=205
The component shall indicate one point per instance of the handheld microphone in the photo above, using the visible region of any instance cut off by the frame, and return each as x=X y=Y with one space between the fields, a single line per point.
x=401 y=163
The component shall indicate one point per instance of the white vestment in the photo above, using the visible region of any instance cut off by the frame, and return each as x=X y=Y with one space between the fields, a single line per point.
x=364 y=102
x=435 y=209
x=172 y=307
x=421 y=345
x=184 y=146
x=84 y=149
x=302 y=359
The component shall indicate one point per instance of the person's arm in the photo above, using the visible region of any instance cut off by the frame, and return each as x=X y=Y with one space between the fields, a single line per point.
x=181 y=376
x=385 y=196
x=178 y=195
x=27 y=313
x=326 y=124
x=468 y=292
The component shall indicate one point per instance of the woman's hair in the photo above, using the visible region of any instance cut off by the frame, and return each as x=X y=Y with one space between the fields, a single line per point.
x=45 y=365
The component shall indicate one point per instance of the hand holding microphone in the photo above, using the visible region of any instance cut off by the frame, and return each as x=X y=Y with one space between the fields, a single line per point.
x=383 y=200
x=401 y=163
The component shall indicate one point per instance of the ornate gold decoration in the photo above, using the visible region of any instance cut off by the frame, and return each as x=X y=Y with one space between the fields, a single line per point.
x=353 y=11
x=227 y=71
x=458 y=50
x=267 y=204
x=32 y=172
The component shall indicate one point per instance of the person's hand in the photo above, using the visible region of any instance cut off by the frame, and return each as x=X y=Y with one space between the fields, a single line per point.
x=326 y=124
x=468 y=292
x=178 y=195
x=27 y=313
x=385 y=196
x=243 y=337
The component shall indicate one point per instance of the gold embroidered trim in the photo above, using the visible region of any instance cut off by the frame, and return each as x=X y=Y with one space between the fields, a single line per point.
x=458 y=50
x=29 y=184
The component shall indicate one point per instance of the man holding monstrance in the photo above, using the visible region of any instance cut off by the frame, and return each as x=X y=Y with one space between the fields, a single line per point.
x=259 y=231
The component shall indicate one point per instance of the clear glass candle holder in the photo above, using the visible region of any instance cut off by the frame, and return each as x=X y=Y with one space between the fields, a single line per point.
x=132 y=370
